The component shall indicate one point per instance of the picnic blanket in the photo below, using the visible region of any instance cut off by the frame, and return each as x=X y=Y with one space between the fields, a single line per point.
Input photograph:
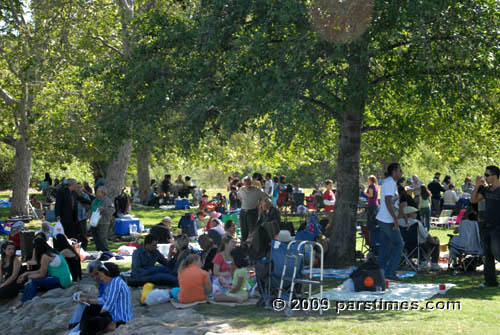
x=179 y=305
x=396 y=292
x=5 y=204
x=345 y=273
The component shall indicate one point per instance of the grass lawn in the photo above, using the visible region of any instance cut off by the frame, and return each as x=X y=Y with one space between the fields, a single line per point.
x=479 y=312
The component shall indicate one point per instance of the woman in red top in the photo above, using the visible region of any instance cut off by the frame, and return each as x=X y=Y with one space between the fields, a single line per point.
x=329 y=196
x=223 y=262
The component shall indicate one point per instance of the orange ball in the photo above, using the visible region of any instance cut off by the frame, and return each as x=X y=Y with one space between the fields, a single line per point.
x=369 y=281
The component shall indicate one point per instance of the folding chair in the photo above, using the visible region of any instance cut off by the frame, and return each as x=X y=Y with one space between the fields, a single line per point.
x=443 y=220
x=465 y=249
x=411 y=248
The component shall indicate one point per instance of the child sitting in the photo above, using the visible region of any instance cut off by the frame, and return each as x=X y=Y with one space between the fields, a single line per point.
x=239 y=291
x=194 y=283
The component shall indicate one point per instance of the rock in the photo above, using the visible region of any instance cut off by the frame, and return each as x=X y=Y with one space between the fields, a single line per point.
x=57 y=324
x=55 y=293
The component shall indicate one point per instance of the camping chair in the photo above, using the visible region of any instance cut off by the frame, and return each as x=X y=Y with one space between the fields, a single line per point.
x=443 y=220
x=366 y=241
x=465 y=248
x=411 y=248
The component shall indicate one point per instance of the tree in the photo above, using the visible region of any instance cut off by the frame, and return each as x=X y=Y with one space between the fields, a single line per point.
x=33 y=50
x=378 y=66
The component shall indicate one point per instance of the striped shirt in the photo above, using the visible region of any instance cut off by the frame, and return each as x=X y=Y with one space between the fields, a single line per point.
x=117 y=300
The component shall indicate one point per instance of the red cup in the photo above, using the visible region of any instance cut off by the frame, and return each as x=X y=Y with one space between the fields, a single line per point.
x=442 y=287
x=387 y=284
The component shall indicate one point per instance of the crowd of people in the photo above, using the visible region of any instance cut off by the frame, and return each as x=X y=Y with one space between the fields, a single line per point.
x=220 y=268
x=407 y=202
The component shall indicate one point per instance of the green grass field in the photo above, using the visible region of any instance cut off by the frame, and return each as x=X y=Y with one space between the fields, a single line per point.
x=478 y=314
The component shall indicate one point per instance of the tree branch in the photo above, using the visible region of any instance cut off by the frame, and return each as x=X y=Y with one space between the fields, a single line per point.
x=9 y=140
x=372 y=128
x=109 y=46
x=321 y=105
x=8 y=98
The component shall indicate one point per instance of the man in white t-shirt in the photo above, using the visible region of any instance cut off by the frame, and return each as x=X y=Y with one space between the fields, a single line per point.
x=392 y=243
x=269 y=185
x=250 y=197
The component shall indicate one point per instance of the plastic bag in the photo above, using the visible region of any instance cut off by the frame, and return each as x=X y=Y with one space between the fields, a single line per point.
x=59 y=228
x=94 y=219
x=157 y=296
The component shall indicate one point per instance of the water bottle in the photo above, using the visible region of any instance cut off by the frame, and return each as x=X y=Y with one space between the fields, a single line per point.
x=132 y=229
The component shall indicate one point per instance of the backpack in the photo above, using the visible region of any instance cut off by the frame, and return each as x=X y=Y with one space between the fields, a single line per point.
x=368 y=277
x=188 y=225
x=310 y=231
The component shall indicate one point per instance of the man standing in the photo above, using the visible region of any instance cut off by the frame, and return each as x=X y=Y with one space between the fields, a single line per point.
x=490 y=230
x=269 y=185
x=415 y=188
x=66 y=208
x=269 y=217
x=104 y=205
x=435 y=188
x=392 y=242
x=250 y=197
x=329 y=196
x=83 y=206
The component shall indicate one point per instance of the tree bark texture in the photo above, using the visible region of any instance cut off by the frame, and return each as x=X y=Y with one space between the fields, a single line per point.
x=143 y=161
x=115 y=173
x=343 y=234
x=22 y=177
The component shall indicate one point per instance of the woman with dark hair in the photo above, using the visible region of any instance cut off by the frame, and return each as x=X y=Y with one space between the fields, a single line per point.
x=53 y=273
x=48 y=179
x=111 y=310
x=62 y=246
x=446 y=183
x=425 y=206
x=179 y=250
x=9 y=271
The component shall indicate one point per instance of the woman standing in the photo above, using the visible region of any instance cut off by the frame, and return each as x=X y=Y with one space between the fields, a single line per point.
x=425 y=206
x=53 y=273
x=9 y=271
x=371 y=211
x=111 y=310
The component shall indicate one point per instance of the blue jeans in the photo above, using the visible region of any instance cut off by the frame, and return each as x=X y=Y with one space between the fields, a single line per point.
x=156 y=274
x=425 y=214
x=490 y=239
x=391 y=248
x=47 y=283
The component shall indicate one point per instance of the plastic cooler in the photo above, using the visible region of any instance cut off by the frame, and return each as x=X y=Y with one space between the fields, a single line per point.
x=181 y=203
x=122 y=226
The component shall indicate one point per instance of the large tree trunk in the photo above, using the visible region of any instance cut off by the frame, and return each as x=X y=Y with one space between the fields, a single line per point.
x=143 y=161
x=343 y=234
x=22 y=177
x=115 y=173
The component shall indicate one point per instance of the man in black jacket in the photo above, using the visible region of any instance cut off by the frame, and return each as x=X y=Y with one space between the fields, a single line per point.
x=269 y=217
x=435 y=188
x=66 y=208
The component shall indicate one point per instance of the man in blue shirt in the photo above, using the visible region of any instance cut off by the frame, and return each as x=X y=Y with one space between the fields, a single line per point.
x=143 y=264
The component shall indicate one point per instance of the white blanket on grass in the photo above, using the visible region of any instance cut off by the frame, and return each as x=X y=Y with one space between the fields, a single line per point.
x=396 y=292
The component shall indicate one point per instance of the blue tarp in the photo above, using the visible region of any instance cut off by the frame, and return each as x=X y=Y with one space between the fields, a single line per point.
x=5 y=204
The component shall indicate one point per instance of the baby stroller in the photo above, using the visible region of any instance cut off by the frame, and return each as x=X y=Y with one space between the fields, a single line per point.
x=465 y=249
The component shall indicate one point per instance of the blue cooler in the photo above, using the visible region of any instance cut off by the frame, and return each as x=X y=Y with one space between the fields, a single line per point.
x=181 y=203
x=50 y=215
x=122 y=226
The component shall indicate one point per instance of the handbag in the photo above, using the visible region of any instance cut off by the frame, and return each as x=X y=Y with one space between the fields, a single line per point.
x=94 y=219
